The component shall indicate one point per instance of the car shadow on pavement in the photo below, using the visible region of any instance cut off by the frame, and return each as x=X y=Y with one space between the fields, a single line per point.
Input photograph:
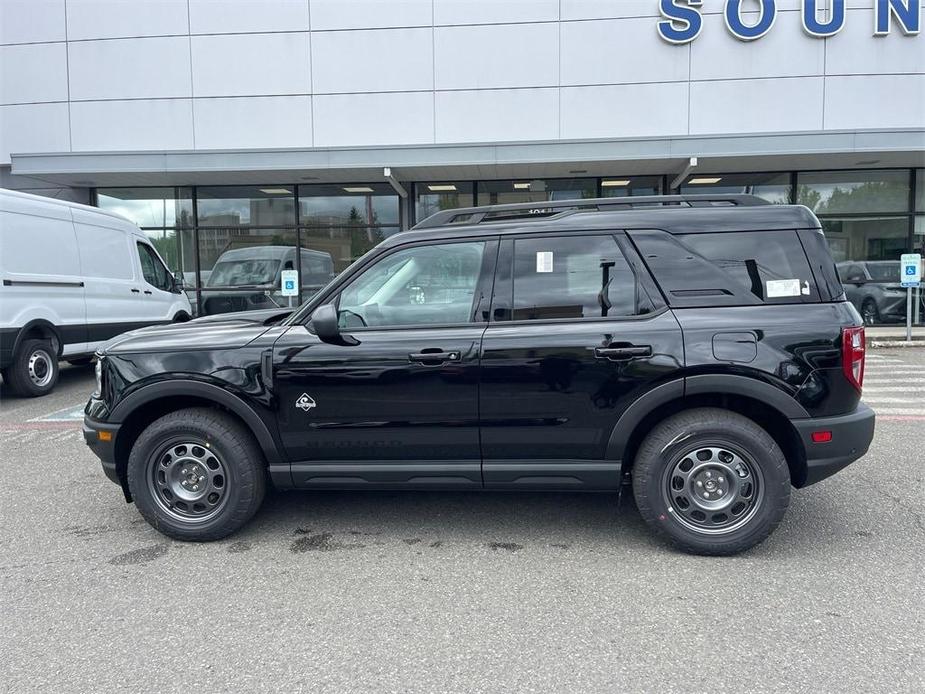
x=509 y=521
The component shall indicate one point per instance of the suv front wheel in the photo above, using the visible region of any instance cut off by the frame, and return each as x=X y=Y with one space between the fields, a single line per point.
x=713 y=481
x=196 y=475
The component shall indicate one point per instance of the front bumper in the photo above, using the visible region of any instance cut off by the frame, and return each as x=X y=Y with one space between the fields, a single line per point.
x=851 y=437
x=105 y=447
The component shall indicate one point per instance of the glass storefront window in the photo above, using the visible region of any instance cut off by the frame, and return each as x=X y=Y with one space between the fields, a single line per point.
x=866 y=238
x=348 y=205
x=773 y=187
x=240 y=267
x=342 y=245
x=503 y=192
x=847 y=192
x=149 y=207
x=227 y=206
x=920 y=190
x=430 y=198
x=625 y=186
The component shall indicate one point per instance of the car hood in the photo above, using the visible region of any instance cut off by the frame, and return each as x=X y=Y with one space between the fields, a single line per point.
x=271 y=316
x=225 y=334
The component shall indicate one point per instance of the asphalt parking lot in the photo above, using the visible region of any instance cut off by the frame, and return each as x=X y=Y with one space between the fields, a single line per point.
x=433 y=592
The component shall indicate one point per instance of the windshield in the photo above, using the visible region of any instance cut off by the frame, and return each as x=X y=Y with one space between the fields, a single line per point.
x=883 y=272
x=237 y=273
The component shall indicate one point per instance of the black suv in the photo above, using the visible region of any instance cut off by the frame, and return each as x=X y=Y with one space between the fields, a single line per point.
x=700 y=347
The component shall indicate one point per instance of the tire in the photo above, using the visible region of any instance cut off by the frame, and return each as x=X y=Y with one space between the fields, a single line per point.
x=745 y=465
x=211 y=447
x=869 y=312
x=80 y=361
x=34 y=371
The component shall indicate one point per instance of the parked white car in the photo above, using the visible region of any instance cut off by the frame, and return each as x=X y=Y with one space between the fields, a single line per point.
x=73 y=276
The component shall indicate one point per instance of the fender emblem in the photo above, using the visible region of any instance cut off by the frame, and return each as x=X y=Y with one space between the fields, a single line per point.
x=305 y=402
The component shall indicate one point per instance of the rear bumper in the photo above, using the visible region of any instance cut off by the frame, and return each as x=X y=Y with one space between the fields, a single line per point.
x=104 y=450
x=851 y=437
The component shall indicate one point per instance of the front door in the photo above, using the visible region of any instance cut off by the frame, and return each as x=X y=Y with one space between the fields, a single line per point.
x=575 y=338
x=400 y=406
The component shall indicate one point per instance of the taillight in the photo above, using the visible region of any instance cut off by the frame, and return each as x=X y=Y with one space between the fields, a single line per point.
x=852 y=355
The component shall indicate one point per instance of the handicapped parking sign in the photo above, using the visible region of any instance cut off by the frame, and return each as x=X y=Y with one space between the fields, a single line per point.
x=289 y=281
x=910 y=273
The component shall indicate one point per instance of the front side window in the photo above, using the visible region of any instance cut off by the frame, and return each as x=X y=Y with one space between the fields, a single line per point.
x=433 y=284
x=152 y=268
x=572 y=277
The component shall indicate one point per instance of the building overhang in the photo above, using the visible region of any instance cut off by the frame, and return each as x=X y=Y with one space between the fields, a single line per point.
x=547 y=159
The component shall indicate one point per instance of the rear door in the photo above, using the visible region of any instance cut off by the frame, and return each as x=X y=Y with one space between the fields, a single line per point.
x=110 y=276
x=578 y=332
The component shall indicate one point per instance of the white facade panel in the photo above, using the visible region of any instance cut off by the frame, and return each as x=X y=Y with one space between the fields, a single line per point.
x=247 y=16
x=33 y=128
x=785 y=51
x=370 y=14
x=110 y=19
x=129 y=68
x=608 y=52
x=494 y=11
x=379 y=60
x=756 y=106
x=374 y=119
x=497 y=115
x=30 y=21
x=855 y=52
x=503 y=55
x=607 y=9
x=253 y=122
x=631 y=110
x=33 y=72
x=251 y=64
x=875 y=101
x=100 y=126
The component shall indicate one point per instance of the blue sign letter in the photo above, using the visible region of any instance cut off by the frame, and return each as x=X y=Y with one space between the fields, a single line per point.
x=908 y=14
x=814 y=27
x=686 y=16
x=749 y=33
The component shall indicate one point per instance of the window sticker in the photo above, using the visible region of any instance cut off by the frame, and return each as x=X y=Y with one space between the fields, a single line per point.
x=778 y=288
x=544 y=261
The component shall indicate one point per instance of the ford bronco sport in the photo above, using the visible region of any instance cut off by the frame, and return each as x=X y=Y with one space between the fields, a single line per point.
x=699 y=347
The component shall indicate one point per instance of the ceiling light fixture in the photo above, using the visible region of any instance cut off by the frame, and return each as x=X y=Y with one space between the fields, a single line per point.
x=276 y=191
x=442 y=188
x=704 y=181
x=358 y=189
x=615 y=183
x=521 y=186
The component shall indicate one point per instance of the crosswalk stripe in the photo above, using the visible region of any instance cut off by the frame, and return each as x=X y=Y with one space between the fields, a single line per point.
x=898 y=411
x=896 y=388
x=895 y=401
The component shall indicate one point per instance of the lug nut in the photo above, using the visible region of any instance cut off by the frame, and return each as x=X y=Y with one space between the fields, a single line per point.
x=720 y=480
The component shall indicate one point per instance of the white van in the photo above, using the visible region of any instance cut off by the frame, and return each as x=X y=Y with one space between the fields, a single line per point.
x=73 y=276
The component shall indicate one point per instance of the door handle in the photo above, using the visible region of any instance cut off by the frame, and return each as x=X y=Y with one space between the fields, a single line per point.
x=135 y=291
x=433 y=358
x=623 y=353
x=147 y=292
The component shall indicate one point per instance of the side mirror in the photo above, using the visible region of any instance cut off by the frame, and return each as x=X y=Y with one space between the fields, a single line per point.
x=325 y=326
x=178 y=281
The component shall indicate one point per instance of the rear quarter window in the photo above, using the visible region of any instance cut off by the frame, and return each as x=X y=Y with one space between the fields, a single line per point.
x=729 y=268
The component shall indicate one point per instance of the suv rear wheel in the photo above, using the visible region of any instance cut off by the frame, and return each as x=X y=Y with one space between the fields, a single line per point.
x=713 y=481
x=196 y=475
x=34 y=370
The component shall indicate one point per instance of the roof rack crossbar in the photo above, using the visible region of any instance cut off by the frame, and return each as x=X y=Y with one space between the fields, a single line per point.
x=524 y=211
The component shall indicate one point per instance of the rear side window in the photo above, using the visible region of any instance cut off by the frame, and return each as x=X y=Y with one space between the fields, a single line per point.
x=729 y=268
x=572 y=277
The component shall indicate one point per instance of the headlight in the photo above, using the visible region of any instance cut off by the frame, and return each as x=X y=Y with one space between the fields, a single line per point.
x=98 y=369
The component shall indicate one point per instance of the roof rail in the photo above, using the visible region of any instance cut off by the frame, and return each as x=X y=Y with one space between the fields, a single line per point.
x=544 y=210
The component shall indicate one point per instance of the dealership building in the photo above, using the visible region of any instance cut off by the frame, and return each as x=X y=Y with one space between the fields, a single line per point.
x=219 y=125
